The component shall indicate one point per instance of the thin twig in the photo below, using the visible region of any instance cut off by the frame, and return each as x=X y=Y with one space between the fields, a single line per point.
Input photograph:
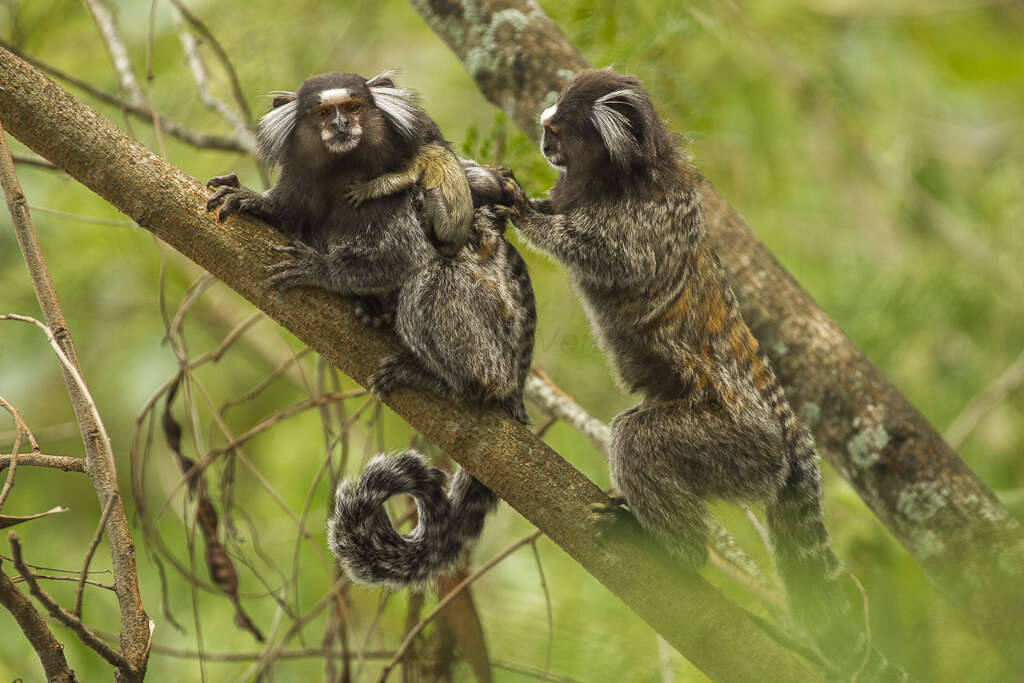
x=77 y=611
x=550 y=398
x=547 y=604
x=172 y=128
x=977 y=408
x=39 y=162
x=281 y=369
x=31 y=622
x=83 y=219
x=66 y=363
x=116 y=50
x=50 y=577
x=19 y=429
x=443 y=602
x=242 y=125
x=283 y=414
x=65 y=617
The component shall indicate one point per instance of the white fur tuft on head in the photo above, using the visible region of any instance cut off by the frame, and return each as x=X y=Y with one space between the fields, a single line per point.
x=614 y=126
x=275 y=126
x=548 y=114
x=400 y=106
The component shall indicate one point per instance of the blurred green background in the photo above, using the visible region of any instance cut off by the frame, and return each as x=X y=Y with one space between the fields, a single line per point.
x=877 y=148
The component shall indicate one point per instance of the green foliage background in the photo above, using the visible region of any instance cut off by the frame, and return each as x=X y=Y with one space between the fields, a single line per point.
x=876 y=147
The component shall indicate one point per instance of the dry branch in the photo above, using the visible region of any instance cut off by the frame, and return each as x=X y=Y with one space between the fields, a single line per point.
x=99 y=459
x=949 y=521
x=694 y=617
x=32 y=624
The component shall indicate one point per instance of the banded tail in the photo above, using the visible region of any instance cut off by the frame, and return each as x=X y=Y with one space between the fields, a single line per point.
x=811 y=572
x=367 y=547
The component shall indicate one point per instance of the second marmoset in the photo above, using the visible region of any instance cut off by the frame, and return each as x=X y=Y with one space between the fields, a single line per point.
x=447 y=209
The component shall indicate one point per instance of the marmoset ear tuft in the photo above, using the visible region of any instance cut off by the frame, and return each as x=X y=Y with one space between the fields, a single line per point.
x=275 y=126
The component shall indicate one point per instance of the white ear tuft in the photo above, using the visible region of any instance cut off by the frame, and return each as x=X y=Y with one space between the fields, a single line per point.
x=275 y=126
x=400 y=106
x=547 y=114
x=614 y=126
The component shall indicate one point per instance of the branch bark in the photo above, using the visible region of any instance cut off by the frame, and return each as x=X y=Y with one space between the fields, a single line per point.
x=39 y=635
x=948 y=520
x=690 y=614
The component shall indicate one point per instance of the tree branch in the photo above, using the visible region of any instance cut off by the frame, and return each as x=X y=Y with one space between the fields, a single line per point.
x=99 y=458
x=693 y=616
x=949 y=521
x=113 y=657
x=32 y=624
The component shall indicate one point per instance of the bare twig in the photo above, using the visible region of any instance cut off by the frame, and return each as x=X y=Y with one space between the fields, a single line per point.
x=25 y=160
x=547 y=604
x=172 y=128
x=83 y=219
x=552 y=400
x=49 y=577
x=978 y=407
x=116 y=49
x=443 y=602
x=242 y=124
x=58 y=462
x=107 y=509
x=68 y=366
x=32 y=624
x=284 y=413
x=19 y=429
x=88 y=638
x=281 y=369
x=11 y=520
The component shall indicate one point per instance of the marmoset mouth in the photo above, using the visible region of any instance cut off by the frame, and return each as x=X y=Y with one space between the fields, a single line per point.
x=342 y=143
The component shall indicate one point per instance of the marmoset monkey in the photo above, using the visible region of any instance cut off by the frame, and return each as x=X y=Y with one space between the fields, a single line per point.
x=625 y=218
x=447 y=204
x=465 y=324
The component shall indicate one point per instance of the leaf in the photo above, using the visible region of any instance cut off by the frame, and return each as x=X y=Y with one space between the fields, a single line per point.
x=11 y=520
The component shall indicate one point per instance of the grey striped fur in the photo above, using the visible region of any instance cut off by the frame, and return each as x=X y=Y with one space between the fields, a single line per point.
x=626 y=220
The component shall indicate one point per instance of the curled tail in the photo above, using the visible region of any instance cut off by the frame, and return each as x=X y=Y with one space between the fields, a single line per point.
x=367 y=547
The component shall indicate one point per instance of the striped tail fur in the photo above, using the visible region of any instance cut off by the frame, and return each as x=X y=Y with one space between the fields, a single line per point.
x=812 y=574
x=367 y=547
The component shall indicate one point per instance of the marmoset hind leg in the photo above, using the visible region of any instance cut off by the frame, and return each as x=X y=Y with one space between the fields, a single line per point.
x=667 y=457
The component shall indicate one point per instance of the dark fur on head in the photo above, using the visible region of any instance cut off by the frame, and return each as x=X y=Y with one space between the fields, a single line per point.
x=605 y=136
x=389 y=117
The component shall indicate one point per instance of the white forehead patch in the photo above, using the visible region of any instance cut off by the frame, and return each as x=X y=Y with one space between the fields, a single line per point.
x=335 y=95
x=548 y=114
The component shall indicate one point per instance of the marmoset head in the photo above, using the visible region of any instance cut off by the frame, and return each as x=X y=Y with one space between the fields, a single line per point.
x=332 y=115
x=603 y=117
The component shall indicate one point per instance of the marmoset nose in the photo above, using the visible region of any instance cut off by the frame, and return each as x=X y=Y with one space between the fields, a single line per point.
x=340 y=123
